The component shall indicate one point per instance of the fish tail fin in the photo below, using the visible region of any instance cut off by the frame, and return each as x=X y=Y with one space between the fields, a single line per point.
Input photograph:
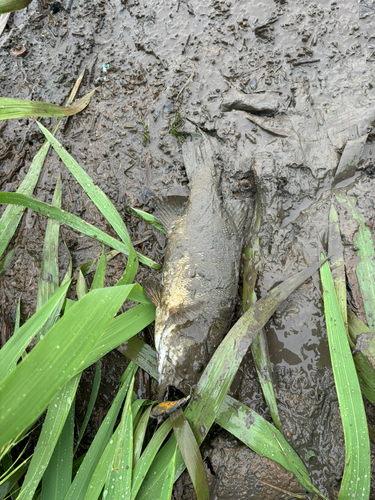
x=199 y=155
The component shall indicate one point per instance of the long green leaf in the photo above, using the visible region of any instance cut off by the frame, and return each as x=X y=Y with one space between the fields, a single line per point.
x=19 y=108
x=72 y=221
x=90 y=406
x=119 y=479
x=259 y=346
x=122 y=328
x=364 y=355
x=366 y=267
x=58 y=475
x=13 y=213
x=139 y=434
x=27 y=390
x=150 y=219
x=99 y=276
x=167 y=488
x=190 y=451
x=13 y=349
x=12 y=5
x=356 y=479
x=101 y=201
x=85 y=473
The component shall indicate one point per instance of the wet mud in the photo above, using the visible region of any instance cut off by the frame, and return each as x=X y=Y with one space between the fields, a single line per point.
x=285 y=87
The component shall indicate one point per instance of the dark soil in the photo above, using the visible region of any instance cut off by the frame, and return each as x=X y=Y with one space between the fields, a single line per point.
x=152 y=62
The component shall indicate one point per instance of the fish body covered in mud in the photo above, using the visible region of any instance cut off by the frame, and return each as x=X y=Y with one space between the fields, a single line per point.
x=196 y=301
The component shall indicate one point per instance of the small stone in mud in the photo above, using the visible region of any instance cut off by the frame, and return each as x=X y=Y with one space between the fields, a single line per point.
x=55 y=7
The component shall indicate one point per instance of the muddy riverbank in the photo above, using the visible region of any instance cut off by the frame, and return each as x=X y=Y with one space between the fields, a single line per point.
x=283 y=86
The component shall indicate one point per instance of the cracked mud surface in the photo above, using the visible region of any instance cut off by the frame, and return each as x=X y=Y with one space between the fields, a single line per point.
x=283 y=86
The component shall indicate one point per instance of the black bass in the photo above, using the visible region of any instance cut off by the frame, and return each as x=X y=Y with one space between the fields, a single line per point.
x=196 y=302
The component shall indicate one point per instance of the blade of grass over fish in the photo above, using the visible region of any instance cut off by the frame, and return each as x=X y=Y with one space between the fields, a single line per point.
x=166 y=490
x=363 y=355
x=259 y=346
x=20 y=108
x=29 y=388
x=191 y=454
x=335 y=248
x=150 y=219
x=12 y=5
x=148 y=456
x=139 y=434
x=81 y=286
x=49 y=271
x=73 y=222
x=366 y=267
x=356 y=479
x=90 y=406
x=101 y=201
x=220 y=372
x=98 y=281
x=123 y=327
x=119 y=479
x=82 y=479
x=53 y=425
x=90 y=266
x=58 y=475
x=13 y=349
x=12 y=215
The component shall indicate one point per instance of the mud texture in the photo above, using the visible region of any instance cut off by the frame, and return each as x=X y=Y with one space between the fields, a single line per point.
x=167 y=66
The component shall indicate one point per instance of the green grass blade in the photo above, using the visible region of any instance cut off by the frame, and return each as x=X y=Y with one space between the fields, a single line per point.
x=335 y=248
x=84 y=475
x=5 y=262
x=101 y=201
x=364 y=355
x=81 y=286
x=90 y=406
x=12 y=5
x=58 y=475
x=13 y=349
x=98 y=281
x=254 y=431
x=190 y=451
x=20 y=108
x=122 y=328
x=139 y=434
x=356 y=479
x=29 y=388
x=119 y=480
x=91 y=265
x=49 y=271
x=150 y=219
x=98 y=478
x=259 y=346
x=53 y=425
x=366 y=267
x=12 y=215
x=148 y=456
x=166 y=490
x=73 y=222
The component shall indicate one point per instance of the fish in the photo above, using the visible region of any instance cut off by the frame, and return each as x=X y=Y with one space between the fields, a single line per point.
x=196 y=302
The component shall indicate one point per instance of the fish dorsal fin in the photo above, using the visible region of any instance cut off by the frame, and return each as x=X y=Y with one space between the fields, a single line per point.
x=153 y=289
x=239 y=212
x=169 y=209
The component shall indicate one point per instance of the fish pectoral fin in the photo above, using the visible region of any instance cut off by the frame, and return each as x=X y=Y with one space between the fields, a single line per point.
x=153 y=289
x=169 y=209
x=183 y=314
x=239 y=212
